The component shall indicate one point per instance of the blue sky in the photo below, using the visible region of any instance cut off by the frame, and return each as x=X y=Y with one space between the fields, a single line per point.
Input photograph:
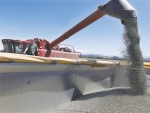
x=24 y=19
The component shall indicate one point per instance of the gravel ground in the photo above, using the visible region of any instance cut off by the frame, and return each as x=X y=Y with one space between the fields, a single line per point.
x=119 y=100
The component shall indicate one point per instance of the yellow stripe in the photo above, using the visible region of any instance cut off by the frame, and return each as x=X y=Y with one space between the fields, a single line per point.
x=8 y=57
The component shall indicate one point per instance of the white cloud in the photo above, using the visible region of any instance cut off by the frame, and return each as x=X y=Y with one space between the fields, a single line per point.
x=15 y=28
x=15 y=38
x=82 y=50
x=1 y=45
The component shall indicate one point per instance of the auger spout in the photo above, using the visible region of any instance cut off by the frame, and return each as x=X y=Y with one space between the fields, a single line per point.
x=120 y=9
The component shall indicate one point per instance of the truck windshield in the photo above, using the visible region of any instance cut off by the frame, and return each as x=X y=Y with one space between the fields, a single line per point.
x=8 y=47
x=15 y=47
x=18 y=47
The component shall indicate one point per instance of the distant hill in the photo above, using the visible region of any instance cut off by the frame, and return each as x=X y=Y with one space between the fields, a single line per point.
x=91 y=55
x=147 y=59
x=100 y=56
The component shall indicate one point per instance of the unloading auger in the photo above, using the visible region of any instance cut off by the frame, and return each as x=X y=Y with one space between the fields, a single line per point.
x=120 y=9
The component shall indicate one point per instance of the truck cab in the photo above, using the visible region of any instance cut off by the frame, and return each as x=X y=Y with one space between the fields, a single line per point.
x=44 y=48
x=14 y=46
